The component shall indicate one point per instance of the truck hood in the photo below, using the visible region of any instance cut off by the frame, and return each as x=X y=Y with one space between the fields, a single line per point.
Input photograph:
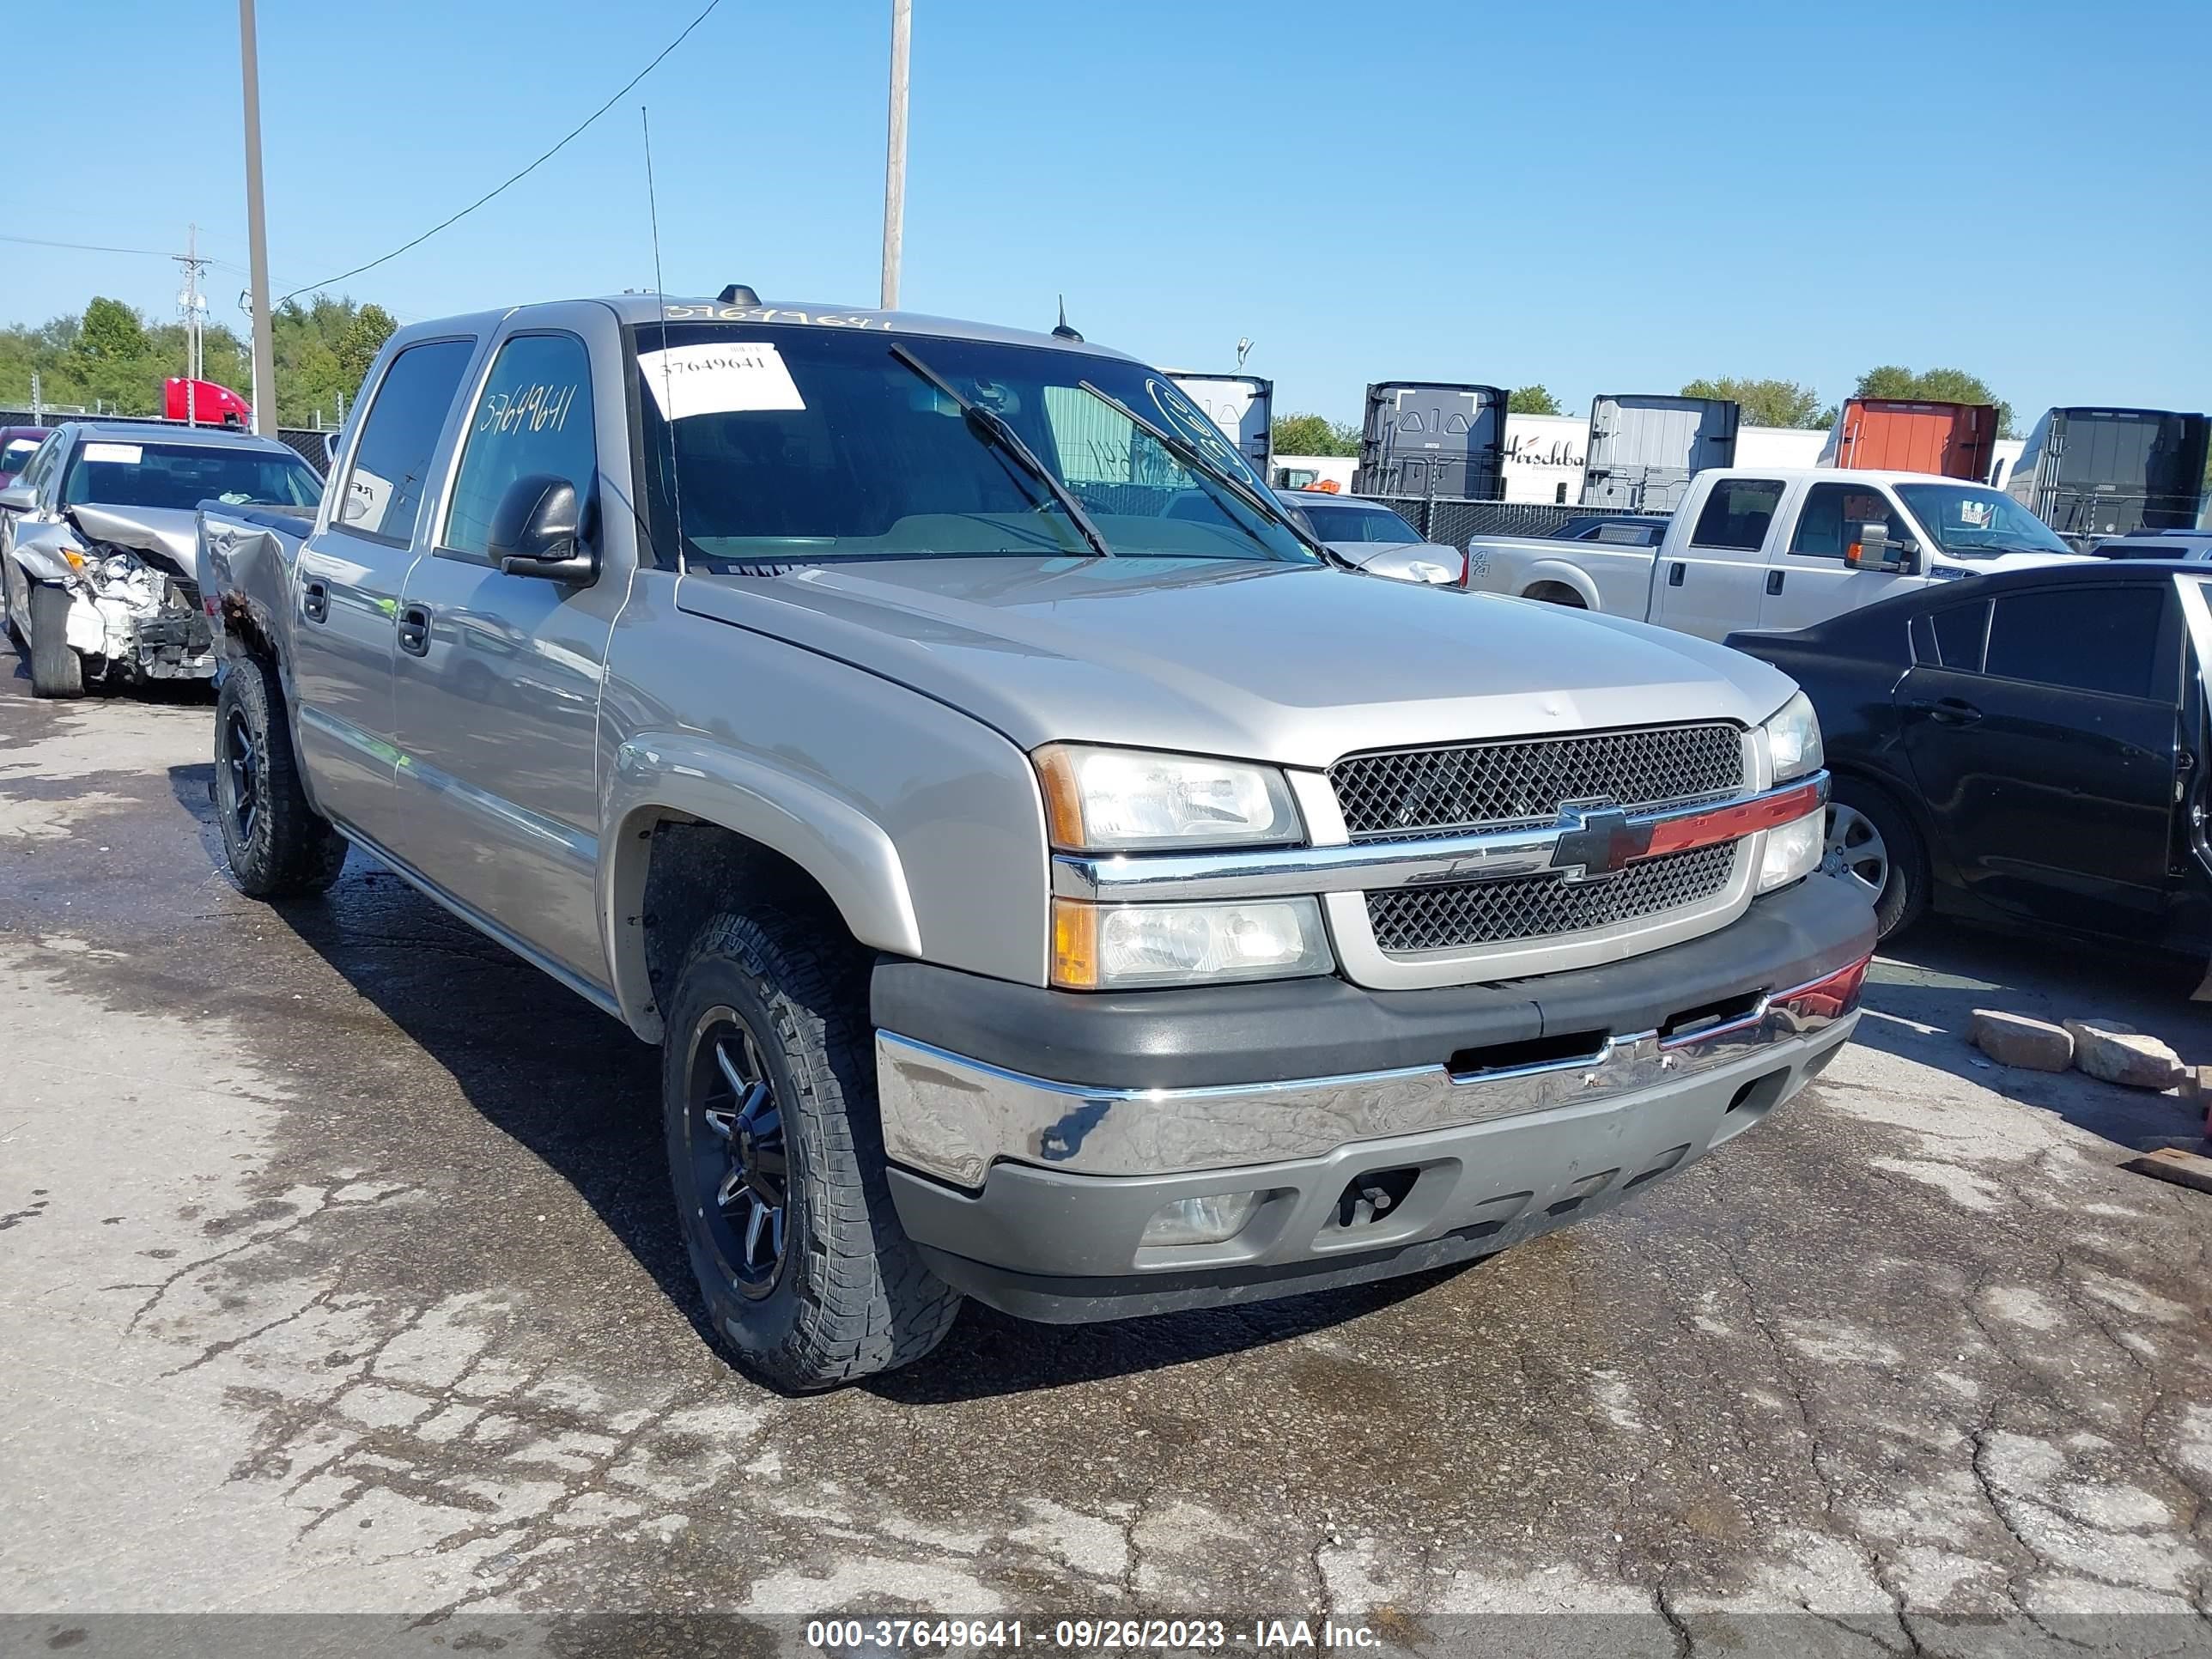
x=2007 y=562
x=171 y=532
x=1298 y=664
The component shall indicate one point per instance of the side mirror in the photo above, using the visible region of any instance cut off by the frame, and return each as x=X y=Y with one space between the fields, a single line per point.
x=536 y=531
x=1874 y=551
x=18 y=498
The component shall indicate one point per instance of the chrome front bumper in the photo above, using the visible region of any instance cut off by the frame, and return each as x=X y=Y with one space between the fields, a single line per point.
x=951 y=1117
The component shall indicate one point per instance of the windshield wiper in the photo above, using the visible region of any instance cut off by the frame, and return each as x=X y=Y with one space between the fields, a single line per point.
x=1202 y=464
x=991 y=427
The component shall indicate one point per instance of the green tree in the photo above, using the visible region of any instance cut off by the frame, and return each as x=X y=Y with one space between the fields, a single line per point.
x=1941 y=386
x=362 y=338
x=1310 y=434
x=1766 y=403
x=111 y=333
x=1532 y=400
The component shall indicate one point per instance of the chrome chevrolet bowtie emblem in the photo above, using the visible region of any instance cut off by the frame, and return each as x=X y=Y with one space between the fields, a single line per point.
x=1594 y=842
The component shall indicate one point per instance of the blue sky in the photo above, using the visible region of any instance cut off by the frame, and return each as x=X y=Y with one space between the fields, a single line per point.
x=1602 y=197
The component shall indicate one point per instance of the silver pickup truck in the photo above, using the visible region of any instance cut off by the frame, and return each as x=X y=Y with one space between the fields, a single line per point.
x=1050 y=877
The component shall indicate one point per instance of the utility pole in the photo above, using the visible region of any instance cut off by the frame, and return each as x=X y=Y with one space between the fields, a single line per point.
x=189 y=303
x=257 y=227
x=895 y=152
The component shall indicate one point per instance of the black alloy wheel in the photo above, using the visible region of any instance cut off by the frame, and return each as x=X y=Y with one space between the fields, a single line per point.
x=741 y=1171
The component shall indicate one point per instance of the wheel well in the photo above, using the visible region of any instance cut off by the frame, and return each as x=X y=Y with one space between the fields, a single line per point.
x=695 y=871
x=245 y=634
x=1555 y=593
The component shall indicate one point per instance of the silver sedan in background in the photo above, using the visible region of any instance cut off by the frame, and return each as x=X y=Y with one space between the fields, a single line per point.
x=1376 y=538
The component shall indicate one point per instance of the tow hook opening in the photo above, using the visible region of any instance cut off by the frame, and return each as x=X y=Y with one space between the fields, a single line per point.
x=1563 y=1048
x=1367 y=1199
x=1707 y=1016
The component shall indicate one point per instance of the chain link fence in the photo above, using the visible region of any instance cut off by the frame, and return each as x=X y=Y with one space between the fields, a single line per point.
x=1449 y=521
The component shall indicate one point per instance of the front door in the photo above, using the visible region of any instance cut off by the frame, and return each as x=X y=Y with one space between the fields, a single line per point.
x=1711 y=588
x=346 y=588
x=1806 y=580
x=497 y=678
x=2045 y=743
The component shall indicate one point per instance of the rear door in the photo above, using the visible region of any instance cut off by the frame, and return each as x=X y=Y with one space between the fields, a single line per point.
x=1709 y=585
x=347 y=583
x=1806 y=580
x=2043 y=727
x=497 y=677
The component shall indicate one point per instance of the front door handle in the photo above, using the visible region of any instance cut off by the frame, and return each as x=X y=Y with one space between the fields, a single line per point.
x=415 y=629
x=1774 y=581
x=1947 y=711
x=315 y=601
x=1674 y=574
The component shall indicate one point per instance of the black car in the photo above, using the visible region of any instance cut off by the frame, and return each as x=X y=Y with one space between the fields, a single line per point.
x=2025 y=748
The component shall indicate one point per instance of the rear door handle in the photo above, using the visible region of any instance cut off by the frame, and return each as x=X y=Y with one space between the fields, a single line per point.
x=1947 y=711
x=415 y=629
x=1774 y=581
x=1675 y=572
x=315 y=601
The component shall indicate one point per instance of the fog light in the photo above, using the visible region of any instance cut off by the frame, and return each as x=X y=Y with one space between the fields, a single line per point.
x=1212 y=1219
x=1793 y=850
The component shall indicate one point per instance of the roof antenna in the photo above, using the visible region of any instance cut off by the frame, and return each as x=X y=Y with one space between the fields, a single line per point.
x=667 y=381
x=1064 y=332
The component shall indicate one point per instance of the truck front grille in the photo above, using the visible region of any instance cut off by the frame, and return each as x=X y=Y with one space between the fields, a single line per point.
x=1414 y=794
x=1407 y=919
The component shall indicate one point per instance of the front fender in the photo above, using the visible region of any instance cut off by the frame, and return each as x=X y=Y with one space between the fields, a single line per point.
x=655 y=775
x=39 y=549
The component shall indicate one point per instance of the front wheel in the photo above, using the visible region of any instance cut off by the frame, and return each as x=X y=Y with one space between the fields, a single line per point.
x=278 y=846
x=768 y=1091
x=55 y=670
x=1873 y=846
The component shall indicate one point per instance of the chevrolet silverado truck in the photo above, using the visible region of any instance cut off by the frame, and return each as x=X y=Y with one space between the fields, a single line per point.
x=99 y=547
x=1775 y=548
x=1050 y=877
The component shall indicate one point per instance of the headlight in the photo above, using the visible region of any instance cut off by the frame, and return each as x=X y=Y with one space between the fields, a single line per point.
x=1793 y=850
x=1125 y=800
x=1793 y=739
x=1119 y=947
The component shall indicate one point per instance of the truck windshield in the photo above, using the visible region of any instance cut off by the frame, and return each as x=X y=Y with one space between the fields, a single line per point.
x=800 y=443
x=1969 y=522
x=110 y=474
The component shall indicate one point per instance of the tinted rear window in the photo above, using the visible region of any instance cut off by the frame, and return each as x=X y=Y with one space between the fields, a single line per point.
x=2090 y=639
x=1737 y=513
x=384 y=486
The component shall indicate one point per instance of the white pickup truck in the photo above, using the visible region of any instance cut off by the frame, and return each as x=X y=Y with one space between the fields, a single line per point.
x=1776 y=548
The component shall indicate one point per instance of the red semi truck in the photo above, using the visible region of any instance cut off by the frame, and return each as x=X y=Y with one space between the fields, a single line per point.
x=1896 y=434
x=205 y=403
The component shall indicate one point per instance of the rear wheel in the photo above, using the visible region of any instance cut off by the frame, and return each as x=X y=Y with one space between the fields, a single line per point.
x=776 y=1153
x=1873 y=846
x=56 y=671
x=278 y=846
x=1556 y=593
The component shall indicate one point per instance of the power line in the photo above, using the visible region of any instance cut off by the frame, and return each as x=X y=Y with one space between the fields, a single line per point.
x=88 y=247
x=442 y=224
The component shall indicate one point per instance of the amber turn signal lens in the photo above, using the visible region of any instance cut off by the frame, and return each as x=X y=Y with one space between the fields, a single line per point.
x=1074 y=945
x=1063 y=800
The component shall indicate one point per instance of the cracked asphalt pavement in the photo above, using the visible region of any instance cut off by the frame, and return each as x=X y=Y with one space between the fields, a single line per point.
x=337 y=1274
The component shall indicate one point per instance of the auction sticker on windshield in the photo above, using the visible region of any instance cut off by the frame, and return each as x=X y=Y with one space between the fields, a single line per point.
x=721 y=378
x=125 y=454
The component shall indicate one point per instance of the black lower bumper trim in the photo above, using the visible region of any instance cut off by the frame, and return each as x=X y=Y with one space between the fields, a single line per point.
x=1275 y=1030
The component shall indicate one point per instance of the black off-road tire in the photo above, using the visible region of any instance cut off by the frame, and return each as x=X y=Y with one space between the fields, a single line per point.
x=282 y=849
x=56 y=671
x=1903 y=896
x=849 y=1296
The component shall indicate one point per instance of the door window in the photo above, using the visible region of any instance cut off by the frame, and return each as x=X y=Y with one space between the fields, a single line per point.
x=1737 y=513
x=384 y=485
x=1832 y=514
x=534 y=417
x=2090 y=639
x=1961 y=631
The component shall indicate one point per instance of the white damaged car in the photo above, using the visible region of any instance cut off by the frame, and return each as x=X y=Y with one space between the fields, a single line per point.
x=98 y=546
